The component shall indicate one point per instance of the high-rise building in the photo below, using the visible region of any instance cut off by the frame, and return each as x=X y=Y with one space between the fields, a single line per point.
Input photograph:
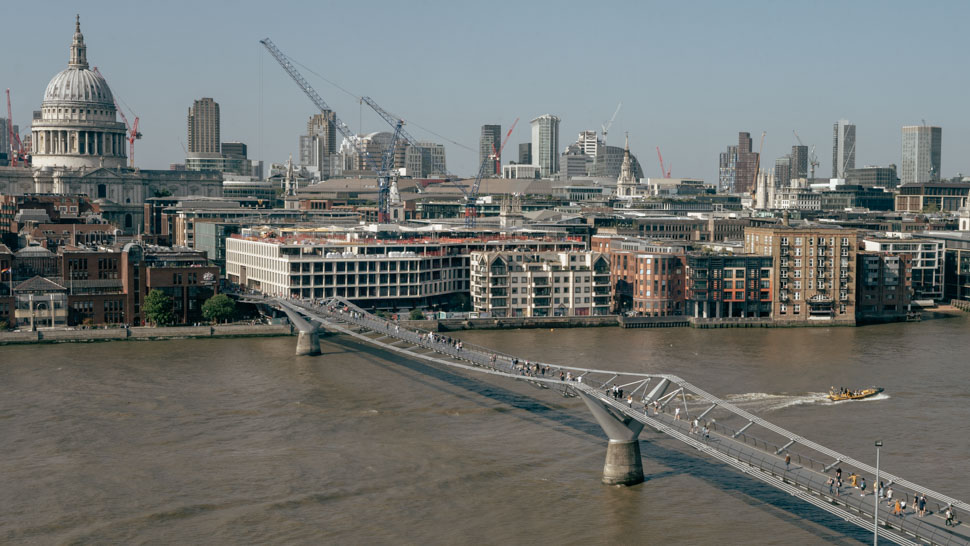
x=783 y=172
x=727 y=169
x=799 y=162
x=545 y=144
x=922 y=145
x=525 y=153
x=204 y=127
x=843 y=148
x=491 y=141
x=746 y=165
x=319 y=145
x=589 y=142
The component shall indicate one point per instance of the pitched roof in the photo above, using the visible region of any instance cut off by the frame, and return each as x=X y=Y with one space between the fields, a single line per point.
x=39 y=284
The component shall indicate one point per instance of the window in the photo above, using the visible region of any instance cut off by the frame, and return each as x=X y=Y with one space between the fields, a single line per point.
x=797 y=308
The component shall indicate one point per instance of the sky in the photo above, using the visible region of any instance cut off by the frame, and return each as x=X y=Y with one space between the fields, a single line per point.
x=690 y=75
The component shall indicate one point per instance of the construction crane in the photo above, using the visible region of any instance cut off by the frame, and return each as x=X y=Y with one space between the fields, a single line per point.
x=663 y=173
x=471 y=197
x=384 y=182
x=383 y=176
x=16 y=146
x=133 y=133
x=317 y=100
x=606 y=126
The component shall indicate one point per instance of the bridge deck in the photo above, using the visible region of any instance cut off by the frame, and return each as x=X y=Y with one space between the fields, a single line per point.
x=801 y=478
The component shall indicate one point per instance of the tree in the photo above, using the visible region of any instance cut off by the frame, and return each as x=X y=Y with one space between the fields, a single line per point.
x=219 y=308
x=417 y=314
x=158 y=308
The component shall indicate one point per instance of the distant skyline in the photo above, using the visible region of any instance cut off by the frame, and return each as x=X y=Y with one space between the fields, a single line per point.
x=690 y=76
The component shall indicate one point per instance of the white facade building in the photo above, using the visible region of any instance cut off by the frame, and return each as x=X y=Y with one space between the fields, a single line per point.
x=926 y=257
x=545 y=284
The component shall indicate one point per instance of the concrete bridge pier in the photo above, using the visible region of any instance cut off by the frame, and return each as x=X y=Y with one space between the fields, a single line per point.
x=623 y=464
x=308 y=344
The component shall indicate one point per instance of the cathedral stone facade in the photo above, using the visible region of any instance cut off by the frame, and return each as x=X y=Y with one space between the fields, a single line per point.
x=79 y=147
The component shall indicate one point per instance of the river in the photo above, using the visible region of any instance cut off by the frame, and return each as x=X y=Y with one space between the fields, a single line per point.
x=235 y=441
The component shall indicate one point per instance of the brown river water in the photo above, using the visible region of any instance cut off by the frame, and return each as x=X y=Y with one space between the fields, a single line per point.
x=236 y=441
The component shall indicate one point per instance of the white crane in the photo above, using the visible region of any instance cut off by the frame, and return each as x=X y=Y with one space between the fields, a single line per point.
x=606 y=126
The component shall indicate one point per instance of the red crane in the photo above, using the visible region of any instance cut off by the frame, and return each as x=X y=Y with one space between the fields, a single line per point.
x=133 y=133
x=498 y=156
x=663 y=173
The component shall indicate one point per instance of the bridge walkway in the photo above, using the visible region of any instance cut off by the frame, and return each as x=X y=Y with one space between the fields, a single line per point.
x=733 y=447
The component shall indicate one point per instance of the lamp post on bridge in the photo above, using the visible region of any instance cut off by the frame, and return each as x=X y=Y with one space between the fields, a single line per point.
x=875 y=496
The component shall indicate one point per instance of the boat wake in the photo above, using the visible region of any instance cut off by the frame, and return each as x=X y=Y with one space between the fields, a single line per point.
x=880 y=396
x=763 y=401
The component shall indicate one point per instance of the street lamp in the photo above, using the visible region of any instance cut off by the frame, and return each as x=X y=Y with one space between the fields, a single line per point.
x=875 y=496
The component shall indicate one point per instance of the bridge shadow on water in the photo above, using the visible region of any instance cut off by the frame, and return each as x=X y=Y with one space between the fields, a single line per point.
x=679 y=462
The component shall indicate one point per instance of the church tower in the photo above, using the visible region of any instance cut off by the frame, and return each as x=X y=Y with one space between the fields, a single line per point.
x=626 y=183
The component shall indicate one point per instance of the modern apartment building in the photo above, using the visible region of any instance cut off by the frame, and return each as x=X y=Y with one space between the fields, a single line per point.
x=728 y=285
x=814 y=270
x=883 y=288
x=203 y=127
x=545 y=144
x=843 y=148
x=523 y=284
x=925 y=258
x=922 y=147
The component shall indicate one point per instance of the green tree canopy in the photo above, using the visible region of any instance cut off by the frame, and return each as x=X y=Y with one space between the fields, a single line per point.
x=219 y=308
x=417 y=314
x=158 y=308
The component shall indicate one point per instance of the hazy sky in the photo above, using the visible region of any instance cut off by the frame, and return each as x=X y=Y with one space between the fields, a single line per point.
x=690 y=74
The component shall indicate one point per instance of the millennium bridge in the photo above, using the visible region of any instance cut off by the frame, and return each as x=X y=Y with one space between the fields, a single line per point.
x=670 y=405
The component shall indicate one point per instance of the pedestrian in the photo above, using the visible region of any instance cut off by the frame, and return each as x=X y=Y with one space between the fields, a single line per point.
x=838 y=472
x=707 y=434
x=949 y=516
x=889 y=496
x=898 y=510
x=862 y=487
x=830 y=483
x=922 y=505
x=882 y=490
x=853 y=480
x=788 y=461
x=629 y=400
x=677 y=414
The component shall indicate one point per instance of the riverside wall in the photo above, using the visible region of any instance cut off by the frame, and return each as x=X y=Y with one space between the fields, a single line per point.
x=145 y=333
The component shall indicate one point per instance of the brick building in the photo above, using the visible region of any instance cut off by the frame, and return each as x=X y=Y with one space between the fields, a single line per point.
x=729 y=285
x=647 y=278
x=814 y=270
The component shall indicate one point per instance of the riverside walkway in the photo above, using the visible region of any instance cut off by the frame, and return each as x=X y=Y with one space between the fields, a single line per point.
x=670 y=405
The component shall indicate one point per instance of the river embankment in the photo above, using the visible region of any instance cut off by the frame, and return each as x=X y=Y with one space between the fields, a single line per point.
x=145 y=333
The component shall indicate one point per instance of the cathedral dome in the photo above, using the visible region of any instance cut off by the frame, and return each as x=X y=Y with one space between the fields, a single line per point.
x=79 y=85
